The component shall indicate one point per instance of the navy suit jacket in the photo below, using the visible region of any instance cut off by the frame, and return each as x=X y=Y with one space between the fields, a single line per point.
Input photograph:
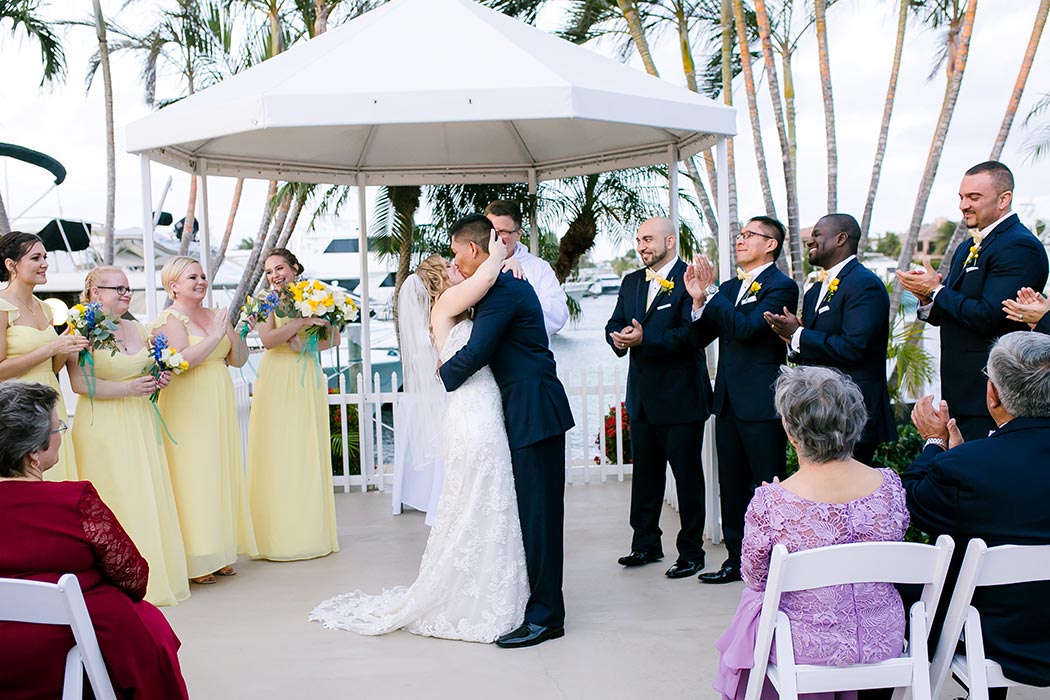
x=509 y=337
x=667 y=380
x=997 y=489
x=750 y=354
x=969 y=310
x=850 y=332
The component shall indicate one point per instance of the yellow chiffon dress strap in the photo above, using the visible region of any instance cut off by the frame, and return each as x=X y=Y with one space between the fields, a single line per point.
x=163 y=318
x=12 y=311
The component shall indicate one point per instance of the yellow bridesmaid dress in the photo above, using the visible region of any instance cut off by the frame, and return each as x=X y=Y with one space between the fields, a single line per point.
x=290 y=458
x=22 y=340
x=119 y=450
x=205 y=460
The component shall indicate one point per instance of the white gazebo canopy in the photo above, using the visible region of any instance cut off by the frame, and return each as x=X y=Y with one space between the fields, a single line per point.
x=430 y=92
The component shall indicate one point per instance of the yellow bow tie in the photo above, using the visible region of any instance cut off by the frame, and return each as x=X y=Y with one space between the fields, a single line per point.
x=977 y=236
x=650 y=275
x=822 y=276
x=743 y=276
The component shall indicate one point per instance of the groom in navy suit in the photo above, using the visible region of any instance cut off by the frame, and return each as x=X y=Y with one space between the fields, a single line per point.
x=510 y=338
x=845 y=325
x=668 y=398
x=1002 y=257
x=749 y=436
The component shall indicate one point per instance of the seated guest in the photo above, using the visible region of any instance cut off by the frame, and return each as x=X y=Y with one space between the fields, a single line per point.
x=996 y=489
x=832 y=499
x=54 y=528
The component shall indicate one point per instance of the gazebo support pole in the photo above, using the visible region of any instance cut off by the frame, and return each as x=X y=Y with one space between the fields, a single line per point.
x=534 y=233
x=365 y=418
x=202 y=216
x=672 y=192
x=149 y=260
x=722 y=178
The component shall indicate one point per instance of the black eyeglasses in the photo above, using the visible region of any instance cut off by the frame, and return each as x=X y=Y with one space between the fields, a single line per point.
x=507 y=233
x=121 y=291
x=744 y=235
x=62 y=427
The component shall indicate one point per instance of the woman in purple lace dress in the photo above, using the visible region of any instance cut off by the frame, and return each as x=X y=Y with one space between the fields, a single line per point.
x=832 y=499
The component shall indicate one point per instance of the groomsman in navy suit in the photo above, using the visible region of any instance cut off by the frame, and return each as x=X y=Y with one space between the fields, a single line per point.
x=668 y=398
x=1002 y=257
x=749 y=436
x=844 y=325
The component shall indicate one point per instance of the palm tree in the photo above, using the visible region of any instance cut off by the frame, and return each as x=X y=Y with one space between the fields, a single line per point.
x=820 y=20
x=884 y=129
x=1008 y=118
x=111 y=155
x=743 y=37
x=794 y=244
x=957 y=49
x=25 y=13
x=1039 y=142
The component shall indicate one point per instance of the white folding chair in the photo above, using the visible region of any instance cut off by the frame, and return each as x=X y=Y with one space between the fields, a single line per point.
x=998 y=566
x=864 y=562
x=60 y=603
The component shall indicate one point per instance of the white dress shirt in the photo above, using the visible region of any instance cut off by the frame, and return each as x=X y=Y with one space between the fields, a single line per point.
x=654 y=285
x=833 y=274
x=541 y=276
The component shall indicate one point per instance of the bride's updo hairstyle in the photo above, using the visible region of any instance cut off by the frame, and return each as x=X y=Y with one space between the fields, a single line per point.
x=433 y=275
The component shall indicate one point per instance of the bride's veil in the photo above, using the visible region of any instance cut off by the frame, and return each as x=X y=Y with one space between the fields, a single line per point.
x=423 y=404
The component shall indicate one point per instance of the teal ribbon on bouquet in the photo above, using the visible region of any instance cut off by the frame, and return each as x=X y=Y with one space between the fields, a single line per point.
x=87 y=366
x=312 y=349
x=158 y=422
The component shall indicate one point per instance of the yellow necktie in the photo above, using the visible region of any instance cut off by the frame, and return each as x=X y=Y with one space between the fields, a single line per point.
x=651 y=294
x=743 y=276
x=977 y=236
x=650 y=275
x=822 y=276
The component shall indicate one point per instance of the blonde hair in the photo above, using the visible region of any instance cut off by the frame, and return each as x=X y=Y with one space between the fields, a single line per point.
x=173 y=270
x=434 y=276
x=92 y=279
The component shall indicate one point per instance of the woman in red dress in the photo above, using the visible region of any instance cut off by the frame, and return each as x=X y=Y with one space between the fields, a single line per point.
x=53 y=528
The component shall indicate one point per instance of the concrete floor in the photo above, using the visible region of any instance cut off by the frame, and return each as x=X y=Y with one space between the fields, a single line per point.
x=629 y=634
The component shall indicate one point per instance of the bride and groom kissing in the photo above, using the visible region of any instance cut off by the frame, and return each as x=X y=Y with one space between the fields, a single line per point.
x=492 y=568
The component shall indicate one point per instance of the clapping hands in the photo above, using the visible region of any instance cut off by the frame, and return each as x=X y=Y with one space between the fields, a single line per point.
x=1029 y=307
x=698 y=277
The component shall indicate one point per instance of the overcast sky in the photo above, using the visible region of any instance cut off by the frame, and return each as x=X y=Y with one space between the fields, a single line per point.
x=68 y=123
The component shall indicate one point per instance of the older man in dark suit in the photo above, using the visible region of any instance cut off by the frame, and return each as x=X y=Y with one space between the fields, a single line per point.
x=749 y=436
x=1002 y=258
x=844 y=324
x=997 y=489
x=668 y=398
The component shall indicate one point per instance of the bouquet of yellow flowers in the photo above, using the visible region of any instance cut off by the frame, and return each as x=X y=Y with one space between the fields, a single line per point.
x=257 y=309
x=164 y=358
x=314 y=299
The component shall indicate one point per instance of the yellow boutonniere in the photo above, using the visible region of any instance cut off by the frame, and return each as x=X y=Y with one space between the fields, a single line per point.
x=833 y=287
x=755 y=286
x=665 y=285
x=975 y=252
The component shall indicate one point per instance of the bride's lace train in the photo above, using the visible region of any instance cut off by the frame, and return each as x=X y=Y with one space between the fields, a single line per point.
x=472 y=583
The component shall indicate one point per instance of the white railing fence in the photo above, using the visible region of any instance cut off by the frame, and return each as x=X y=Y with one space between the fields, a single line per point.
x=594 y=448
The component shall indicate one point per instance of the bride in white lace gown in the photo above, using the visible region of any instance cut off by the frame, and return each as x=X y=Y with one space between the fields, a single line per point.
x=472 y=582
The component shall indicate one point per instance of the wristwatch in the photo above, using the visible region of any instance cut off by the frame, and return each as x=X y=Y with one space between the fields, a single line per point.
x=939 y=442
x=711 y=289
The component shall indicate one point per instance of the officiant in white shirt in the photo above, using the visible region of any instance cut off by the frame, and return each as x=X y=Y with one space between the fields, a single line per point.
x=506 y=219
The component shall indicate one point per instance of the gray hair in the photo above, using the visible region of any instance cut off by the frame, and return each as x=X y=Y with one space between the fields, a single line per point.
x=1019 y=367
x=823 y=411
x=25 y=423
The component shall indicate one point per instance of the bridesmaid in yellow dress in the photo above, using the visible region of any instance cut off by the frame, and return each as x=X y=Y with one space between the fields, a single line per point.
x=289 y=447
x=205 y=459
x=116 y=437
x=29 y=347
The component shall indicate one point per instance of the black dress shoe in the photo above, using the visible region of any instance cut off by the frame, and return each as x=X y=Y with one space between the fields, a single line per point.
x=727 y=574
x=637 y=558
x=683 y=568
x=529 y=635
